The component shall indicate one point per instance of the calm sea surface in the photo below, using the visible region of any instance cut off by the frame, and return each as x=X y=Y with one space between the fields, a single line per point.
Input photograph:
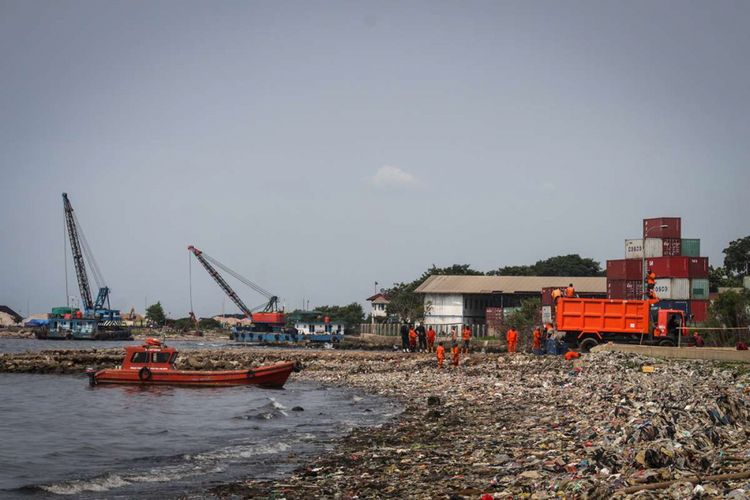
x=61 y=438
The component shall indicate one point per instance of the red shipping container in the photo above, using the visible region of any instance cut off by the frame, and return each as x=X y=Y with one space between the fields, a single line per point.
x=699 y=310
x=671 y=247
x=698 y=267
x=625 y=269
x=494 y=316
x=625 y=289
x=652 y=228
x=669 y=267
x=547 y=296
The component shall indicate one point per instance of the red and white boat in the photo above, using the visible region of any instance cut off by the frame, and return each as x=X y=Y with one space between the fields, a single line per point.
x=153 y=364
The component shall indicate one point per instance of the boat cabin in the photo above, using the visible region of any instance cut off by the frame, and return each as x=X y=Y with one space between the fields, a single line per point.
x=153 y=354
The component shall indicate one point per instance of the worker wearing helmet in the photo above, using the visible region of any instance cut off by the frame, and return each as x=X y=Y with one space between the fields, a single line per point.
x=512 y=338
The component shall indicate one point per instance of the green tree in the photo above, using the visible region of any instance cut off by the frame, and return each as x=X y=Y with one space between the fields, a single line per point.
x=561 y=265
x=209 y=324
x=718 y=277
x=737 y=257
x=183 y=324
x=350 y=315
x=524 y=319
x=155 y=313
x=731 y=309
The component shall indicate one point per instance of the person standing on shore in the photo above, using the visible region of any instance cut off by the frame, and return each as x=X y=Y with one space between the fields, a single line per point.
x=412 y=339
x=422 y=335
x=466 y=337
x=512 y=338
x=405 y=336
x=455 y=354
x=454 y=335
x=440 y=354
x=430 y=339
x=537 y=339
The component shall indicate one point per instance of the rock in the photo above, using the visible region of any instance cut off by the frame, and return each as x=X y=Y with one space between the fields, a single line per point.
x=433 y=400
x=297 y=408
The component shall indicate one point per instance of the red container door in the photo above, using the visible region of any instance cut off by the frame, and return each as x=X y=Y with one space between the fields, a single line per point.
x=699 y=310
x=662 y=227
x=698 y=267
x=671 y=247
x=616 y=289
x=546 y=296
x=625 y=269
x=669 y=267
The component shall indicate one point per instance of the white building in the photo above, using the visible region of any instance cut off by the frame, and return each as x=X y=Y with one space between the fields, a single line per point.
x=457 y=300
x=378 y=303
x=309 y=328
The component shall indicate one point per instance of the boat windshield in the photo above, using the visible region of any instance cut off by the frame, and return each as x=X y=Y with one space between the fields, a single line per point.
x=139 y=357
x=160 y=357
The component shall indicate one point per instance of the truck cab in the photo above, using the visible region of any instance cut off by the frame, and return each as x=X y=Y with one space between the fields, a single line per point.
x=668 y=324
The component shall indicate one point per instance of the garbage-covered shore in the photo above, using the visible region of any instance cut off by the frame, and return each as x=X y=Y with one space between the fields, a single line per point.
x=510 y=425
x=539 y=427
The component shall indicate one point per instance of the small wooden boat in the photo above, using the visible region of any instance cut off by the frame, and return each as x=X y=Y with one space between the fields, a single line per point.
x=153 y=364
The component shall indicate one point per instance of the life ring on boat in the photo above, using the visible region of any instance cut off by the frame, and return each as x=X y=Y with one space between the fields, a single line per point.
x=297 y=366
x=144 y=374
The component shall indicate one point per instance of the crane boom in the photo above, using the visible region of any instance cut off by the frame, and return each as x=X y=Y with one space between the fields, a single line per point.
x=221 y=282
x=75 y=245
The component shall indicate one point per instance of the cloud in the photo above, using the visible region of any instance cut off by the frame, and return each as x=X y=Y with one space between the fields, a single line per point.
x=389 y=176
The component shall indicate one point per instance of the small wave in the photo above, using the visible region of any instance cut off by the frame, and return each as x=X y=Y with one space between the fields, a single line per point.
x=242 y=451
x=98 y=484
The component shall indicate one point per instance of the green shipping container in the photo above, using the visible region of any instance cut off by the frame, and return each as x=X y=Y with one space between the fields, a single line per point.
x=691 y=247
x=699 y=289
x=59 y=311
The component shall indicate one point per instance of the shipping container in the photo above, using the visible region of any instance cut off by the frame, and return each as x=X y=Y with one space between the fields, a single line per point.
x=691 y=247
x=699 y=289
x=671 y=247
x=547 y=296
x=698 y=267
x=625 y=289
x=494 y=316
x=682 y=305
x=669 y=267
x=673 y=288
x=634 y=248
x=546 y=314
x=625 y=269
x=662 y=227
x=699 y=310
x=654 y=247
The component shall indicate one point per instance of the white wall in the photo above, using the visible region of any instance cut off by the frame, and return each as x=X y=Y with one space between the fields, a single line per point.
x=443 y=309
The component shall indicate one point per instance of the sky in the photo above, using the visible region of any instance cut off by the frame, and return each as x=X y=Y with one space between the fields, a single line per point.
x=319 y=147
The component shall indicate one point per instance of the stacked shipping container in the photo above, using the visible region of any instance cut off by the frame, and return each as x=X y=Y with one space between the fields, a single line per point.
x=682 y=275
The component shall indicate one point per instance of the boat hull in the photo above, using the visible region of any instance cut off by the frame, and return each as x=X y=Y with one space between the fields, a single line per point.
x=271 y=376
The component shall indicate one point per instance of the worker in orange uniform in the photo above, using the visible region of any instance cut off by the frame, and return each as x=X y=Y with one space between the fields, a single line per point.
x=651 y=280
x=556 y=294
x=412 y=339
x=430 y=339
x=440 y=351
x=570 y=292
x=537 y=339
x=571 y=355
x=466 y=337
x=512 y=338
x=455 y=354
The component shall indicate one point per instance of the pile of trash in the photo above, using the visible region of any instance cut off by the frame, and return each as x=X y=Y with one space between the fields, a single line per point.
x=608 y=425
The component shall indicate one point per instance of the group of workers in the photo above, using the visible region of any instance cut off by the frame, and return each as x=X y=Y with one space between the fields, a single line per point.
x=420 y=339
x=568 y=293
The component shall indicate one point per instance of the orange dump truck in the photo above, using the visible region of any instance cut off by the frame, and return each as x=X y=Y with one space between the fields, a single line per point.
x=588 y=322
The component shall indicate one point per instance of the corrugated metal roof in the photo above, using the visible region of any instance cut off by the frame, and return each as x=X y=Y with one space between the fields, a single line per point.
x=508 y=284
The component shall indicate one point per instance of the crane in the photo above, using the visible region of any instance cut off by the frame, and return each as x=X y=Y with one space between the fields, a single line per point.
x=273 y=301
x=80 y=248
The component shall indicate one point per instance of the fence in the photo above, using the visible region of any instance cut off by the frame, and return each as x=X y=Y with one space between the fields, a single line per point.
x=394 y=329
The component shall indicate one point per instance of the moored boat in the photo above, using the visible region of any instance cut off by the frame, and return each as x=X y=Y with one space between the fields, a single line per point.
x=153 y=363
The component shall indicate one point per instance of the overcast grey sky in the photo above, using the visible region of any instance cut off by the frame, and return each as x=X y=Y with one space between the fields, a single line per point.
x=316 y=147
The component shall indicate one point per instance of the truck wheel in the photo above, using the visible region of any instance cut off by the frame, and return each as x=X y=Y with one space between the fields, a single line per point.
x=666 y=343
x=587 y=344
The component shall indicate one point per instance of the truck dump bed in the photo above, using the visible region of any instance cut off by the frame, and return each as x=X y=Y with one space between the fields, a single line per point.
x=603 y=316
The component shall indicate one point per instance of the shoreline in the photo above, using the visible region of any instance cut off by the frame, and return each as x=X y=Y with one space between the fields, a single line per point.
x=504 y=425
